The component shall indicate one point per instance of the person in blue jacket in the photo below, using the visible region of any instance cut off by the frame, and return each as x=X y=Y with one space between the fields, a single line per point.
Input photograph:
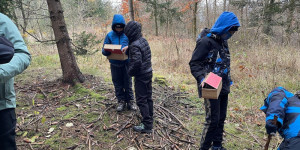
x=14 y=59
x=120 y=78
x=212 y=55
x=286 y=106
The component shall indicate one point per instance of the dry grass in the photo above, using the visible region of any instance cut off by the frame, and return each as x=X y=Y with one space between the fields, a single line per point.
x=255 y=70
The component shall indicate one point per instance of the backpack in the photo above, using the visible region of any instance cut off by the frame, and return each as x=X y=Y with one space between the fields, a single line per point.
x=6 y=50
x=203 y=33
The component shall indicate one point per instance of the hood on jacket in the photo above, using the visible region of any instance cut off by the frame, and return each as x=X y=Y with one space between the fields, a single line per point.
x=133 y=30
x=224 y=23
x=117 y=20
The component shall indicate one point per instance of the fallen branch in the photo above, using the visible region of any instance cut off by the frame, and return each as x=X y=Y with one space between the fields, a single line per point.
x=242 y=138
x=120 y=139
x=127 y=122
x=182 y=124
x=252 y=135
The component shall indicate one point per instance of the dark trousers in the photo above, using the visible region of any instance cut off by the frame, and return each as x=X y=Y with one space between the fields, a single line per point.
x=122 y=82
x=214 y=126
x=7 y=129
x=143 y=94
x=290 y=144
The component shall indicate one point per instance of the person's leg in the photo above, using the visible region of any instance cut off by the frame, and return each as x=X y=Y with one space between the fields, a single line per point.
x=117 y=78
x=7 y=129
x=149 y=97
x=212 y=109
x=141 y=93
x=128 y=89
x=217 y=141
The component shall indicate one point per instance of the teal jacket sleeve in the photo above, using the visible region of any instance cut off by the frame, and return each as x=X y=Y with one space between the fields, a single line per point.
x=21 y=58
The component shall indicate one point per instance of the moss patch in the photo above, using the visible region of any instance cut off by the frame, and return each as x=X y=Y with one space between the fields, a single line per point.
x=62 y=108
x=161 y=80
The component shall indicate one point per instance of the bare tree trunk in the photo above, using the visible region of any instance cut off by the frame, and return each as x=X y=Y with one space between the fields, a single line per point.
x=224 y=5
x=242 y=15
x=15 y=18
x=131 y=11
x=207 y=14
x=215 y=10
x=155 y=17
x=290 y=19
x=25 y=23
x=267 y=27
x=195 y=19
x=71 y=72
x=247 y=19
x=167 y=19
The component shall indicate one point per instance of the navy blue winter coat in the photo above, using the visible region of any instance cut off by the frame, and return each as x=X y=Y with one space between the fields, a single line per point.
x=117 y=38
x=212 y=53
x=139 y=50
x=286 y=106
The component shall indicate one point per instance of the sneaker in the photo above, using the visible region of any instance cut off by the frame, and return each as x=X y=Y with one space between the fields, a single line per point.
x=121 y=106
x=218 y=148
x=131 y=106
x=141 y=128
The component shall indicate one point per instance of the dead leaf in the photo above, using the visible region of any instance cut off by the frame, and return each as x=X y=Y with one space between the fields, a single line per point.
x=54 y=123
x=26 y=140
x=51 y=130
x=69 y=125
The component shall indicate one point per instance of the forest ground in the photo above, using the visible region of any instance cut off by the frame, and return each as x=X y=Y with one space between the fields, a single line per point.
x=56 y=116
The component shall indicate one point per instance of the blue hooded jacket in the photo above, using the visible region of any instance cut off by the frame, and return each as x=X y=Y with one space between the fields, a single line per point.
x=286 y=106
x=113 y=37
x=224 y=23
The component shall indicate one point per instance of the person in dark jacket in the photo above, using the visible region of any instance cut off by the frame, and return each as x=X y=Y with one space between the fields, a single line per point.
x=14 y=59
x=121 y=80
x=141 y=68
x=286 y=106
x=212 y=55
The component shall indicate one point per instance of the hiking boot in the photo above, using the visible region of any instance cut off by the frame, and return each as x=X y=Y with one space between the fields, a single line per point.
x=141 y=128
x=121 y=106
x=131 y=106
x=218 y=148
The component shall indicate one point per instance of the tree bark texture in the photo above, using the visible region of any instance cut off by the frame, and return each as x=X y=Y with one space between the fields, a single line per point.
x=70 y=70
x=207 y=14
x=131 y=11
x=290 y=19
x=155 y=17
x=224 y=5
x=195 y=19
x=267 y=26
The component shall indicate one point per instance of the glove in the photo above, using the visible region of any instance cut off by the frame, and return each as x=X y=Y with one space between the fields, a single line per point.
x=270 y=127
